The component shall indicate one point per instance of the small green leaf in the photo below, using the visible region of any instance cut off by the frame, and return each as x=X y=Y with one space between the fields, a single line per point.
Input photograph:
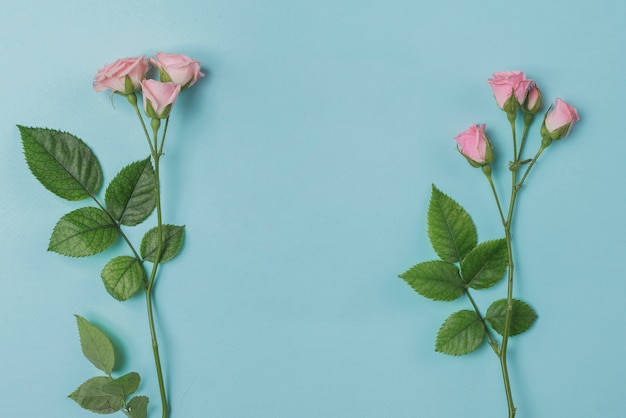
x=522 y=316
x=123 y=386
x=96 y=345
x=61 y=162
x=172 y=241
x=451 y=230
x=131 y=195
x=83 y=232
x=122 y=277
x=90 y=396
x=461 y=333
x=437 y=280
x=137 y=407
x=486 y=264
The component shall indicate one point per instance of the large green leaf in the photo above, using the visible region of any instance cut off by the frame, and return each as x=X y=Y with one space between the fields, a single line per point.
x=437 y=280
x=83 y=232
x=137 y=407
x=96 y=345
x=451 y=230
x=123 y=386
x=172 y=241
x=461 y=333
x=131 y=195
x=90 y=396
x=522 y=316
x=486 y=264
x=122 y=277
x=61 y=162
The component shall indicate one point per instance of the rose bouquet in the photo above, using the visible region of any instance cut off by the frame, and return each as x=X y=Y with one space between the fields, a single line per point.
x=66 y=166
x=465 y=265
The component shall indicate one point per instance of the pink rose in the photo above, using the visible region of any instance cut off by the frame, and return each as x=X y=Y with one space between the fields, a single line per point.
x=509 y=85
x=159 y=97
x=559 y=120
x=475 y=146
x=177 y=68
x=533 y=100
x=123 y=76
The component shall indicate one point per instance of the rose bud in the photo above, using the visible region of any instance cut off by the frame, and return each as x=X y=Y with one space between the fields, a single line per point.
x=510 y=89
x=177 y=68
x=159 y=97
x=532 y=104
x=474 y=146
x=559 y=120
x=123 y=76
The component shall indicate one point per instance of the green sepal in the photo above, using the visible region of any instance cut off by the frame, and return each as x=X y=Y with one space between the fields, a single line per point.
x=137 y=407
x=123 y=386
x=172 y=242
x=123 y=277
x=95 y=345
x=129 y=86
x=451 y=231
x=83 y=232
x=437 y=280
x=131 y=195
x=90 y=396
x=61 y=162
x=462 y=333
x=522 y=316
x=486 y=264
x=164 y=77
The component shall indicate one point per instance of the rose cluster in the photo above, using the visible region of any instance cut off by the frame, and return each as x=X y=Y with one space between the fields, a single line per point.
x=127 y=76
x=514 y=92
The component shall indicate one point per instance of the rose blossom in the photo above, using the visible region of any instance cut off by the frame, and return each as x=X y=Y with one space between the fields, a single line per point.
x=475 y=146
x=507 y=84
x=159 y=97
x=177 y=68
x=114 y=76
x=559 y=121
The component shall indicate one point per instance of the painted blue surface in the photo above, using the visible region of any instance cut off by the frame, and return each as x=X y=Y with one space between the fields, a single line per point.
x=302 y=167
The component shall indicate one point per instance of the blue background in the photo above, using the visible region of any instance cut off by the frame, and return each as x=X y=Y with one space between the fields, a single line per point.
x=302 y=167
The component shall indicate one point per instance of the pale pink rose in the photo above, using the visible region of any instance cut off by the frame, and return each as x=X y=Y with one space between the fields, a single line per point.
x=475 y=146
x=177 y=68
x=159 y=97
x=506 y=84
x=533 y=100
x=113 y=76
x=560 y=119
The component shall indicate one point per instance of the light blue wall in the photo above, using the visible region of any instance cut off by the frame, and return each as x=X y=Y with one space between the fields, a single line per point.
x=302 y=167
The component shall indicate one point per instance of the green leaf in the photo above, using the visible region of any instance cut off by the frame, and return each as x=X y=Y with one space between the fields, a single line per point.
x=137 y=407
x=83 y=232
x=90 y=396
x=451 y=230
x=131 y=195
x=61 y=162
x=522 y=316
x=461 y=333
x=172 y=241
x=437 y=280
x=96 y=345
x=123 y=386
x=486 y=264
x=122 y=277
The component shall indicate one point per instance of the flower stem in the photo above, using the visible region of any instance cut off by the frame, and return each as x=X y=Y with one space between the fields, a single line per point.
x=511 y=267
x=132 y=99
x=156 y=155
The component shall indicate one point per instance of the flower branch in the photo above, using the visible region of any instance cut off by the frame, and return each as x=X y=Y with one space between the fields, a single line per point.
x=65 y=165
x=464 y=262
